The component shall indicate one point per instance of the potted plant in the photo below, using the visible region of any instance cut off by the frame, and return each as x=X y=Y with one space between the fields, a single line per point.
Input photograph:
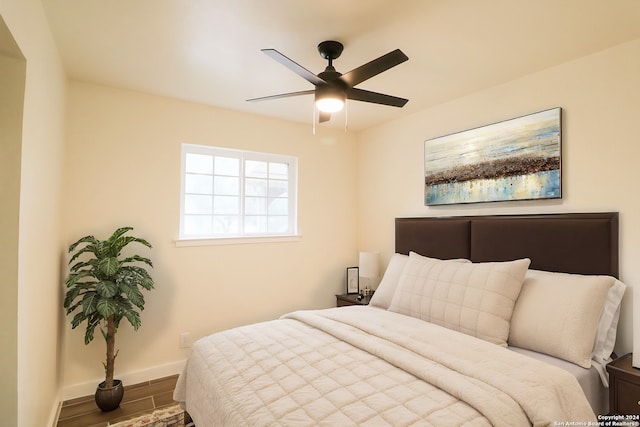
x=103 y=288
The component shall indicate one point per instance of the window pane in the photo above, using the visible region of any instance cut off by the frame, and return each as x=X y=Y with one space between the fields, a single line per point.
x=255 y=187
x=226 y=205
x=255 y=169
x=199 y=163
x=194 y=204
x=278 y=188
x=225 y=185
x=255 y=205
x=278 y=206
x=226 y=224
x=233 y=193
x=227 y=166
x=278 y=224
x=278 y=171
x=197 y=225
x=198 y=184
x=255 y=224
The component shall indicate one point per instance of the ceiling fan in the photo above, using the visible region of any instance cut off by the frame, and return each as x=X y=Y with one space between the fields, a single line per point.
x=333 y=88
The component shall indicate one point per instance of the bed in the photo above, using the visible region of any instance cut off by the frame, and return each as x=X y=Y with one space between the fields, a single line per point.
x=501 y=320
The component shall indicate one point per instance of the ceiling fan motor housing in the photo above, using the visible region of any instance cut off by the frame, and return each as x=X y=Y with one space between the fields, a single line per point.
x=329 y=91
x=332 y=77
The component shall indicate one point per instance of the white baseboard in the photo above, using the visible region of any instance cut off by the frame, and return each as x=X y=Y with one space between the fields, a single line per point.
x=130 y=378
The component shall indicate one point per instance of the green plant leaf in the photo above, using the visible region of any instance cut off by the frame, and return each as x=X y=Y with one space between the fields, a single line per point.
x=106 y=307
x=82 y=264
x=133 y=294
x=91 y=326
x=119 y=232
x=103 y=250
x=71 y=295
x=125 y=308
x=106 y=289
x=76 y=277
x=109 y=266
x=147 y=283
x=73 y=308
x=118 y=240
x=85 y=239
x=138 y=275
x=89 y=302
x=134 y=318
x=77 y=319
x=137 y=258
x=123 y=241
x=118 y=244
x=89 y=248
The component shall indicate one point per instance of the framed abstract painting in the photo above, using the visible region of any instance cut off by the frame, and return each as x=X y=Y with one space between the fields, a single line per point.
x=516 y=159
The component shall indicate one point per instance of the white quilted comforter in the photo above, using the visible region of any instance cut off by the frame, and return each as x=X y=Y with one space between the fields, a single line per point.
x=365 y=366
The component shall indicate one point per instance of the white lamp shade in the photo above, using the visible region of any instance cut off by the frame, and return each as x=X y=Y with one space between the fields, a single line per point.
x=369 y=265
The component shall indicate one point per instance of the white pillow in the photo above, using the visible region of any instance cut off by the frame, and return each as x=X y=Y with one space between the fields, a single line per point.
x=608 y=324
x=387 y=286
x=473 y=298
x=558 y=314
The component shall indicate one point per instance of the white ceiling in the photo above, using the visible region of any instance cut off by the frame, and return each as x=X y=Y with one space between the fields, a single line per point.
x=208 y=51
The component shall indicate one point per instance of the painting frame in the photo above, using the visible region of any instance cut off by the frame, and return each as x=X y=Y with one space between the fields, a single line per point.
x=353 y=280
x=511 y=160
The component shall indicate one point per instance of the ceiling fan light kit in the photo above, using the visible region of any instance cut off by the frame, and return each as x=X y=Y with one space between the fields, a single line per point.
x=329 y=99
x=333 y=88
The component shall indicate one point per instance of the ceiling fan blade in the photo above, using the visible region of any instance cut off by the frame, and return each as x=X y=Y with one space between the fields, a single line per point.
x=294 y=66
x=373 y=68
x=324 y=117
x=375 y=97
x=282 y=95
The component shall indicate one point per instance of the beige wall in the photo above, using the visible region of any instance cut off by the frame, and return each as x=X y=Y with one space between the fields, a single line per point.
x=38 y=236
x=205 y=289
x=123 y=168
x=12 y=76
x=600 y=97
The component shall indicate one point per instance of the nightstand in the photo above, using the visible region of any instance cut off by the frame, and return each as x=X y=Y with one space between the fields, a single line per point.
x=351 y=299
x=624 y=386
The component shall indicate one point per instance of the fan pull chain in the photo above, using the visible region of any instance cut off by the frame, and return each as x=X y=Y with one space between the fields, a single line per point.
x=346 y=116
x=313 y=119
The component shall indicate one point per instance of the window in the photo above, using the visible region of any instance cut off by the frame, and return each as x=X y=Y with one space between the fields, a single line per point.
x=232 y=193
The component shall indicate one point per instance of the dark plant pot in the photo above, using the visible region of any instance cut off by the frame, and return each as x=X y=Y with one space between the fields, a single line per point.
x=109 y=398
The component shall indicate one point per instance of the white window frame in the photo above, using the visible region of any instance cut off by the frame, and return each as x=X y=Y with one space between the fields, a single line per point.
x=290 y=234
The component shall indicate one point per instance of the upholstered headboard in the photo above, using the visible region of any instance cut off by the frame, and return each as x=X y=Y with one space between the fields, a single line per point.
x=582 y=243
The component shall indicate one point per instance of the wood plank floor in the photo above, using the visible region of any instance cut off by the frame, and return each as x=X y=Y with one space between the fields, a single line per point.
x=138 y=399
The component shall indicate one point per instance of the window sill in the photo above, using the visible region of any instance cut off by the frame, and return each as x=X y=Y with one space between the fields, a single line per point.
x=237 y=240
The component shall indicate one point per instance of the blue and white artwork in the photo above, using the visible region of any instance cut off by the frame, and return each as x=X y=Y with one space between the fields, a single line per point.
x=517 y=159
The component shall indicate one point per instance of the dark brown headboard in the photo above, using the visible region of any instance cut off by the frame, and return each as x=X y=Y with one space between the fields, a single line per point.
x=582 y=243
